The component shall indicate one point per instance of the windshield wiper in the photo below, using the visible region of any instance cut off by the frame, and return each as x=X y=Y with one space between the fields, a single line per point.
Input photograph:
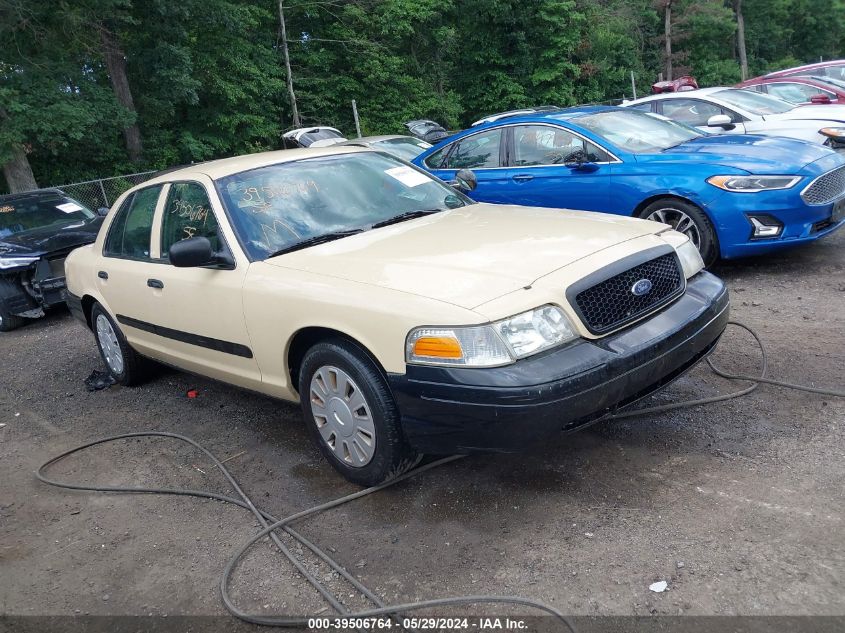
x=408 y=215
x=313 y=241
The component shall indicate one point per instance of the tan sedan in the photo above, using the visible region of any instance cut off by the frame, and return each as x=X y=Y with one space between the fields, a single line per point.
x=405 y=317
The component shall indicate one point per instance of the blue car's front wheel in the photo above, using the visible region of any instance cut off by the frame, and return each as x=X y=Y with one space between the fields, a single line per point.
x=688 y=219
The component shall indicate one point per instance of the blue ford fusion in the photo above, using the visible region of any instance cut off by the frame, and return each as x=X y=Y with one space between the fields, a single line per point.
x=733 y=195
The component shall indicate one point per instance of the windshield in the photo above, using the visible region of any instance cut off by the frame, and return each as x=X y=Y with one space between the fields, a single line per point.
x=839 y=83
x=273 y=208
x=754 y=102
x=40 y=211
x=637 y=132
x=407 y=148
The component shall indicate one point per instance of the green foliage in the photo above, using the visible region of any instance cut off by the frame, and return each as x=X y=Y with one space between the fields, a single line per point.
x=207 y=76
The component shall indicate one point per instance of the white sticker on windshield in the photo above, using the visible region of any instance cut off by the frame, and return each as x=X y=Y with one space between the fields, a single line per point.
x=69 y=207
x=408 y=176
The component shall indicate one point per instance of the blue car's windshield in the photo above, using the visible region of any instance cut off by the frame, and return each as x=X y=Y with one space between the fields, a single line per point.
x=637 y=132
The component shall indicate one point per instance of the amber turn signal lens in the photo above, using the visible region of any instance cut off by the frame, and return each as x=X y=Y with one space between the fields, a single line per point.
x=438 y=347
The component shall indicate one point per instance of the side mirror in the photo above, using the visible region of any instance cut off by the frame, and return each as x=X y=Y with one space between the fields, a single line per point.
x=465 y=181
x=103 y=211
x=193 y=252
x=579 y=160
x=722 y=121
x=820 y=99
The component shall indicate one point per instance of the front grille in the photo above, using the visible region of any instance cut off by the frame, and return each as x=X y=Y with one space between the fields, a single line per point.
x=612 y=303
x=826 y=188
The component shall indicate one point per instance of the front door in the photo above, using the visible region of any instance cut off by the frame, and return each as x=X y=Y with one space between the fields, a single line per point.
x=550 y=166
x=196 y=314
x=482 y=153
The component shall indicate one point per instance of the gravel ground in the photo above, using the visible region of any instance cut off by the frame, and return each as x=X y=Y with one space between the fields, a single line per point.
x=738 y=506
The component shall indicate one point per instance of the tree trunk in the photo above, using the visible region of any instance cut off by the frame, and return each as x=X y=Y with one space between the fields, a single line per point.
x=18 y=173
x=740 y=40
x=288 y=74
x=667 y=32
x=116 y=65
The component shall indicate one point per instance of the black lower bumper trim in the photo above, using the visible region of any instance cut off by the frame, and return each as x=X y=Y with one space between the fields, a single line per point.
x=459 y=410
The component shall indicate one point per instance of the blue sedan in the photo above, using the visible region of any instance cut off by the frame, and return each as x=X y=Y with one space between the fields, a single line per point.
x=733 y=195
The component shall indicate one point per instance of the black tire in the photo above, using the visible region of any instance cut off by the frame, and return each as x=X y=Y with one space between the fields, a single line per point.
x=392 y=456
x=8 y=321
x=708 y=242
x=135 y=367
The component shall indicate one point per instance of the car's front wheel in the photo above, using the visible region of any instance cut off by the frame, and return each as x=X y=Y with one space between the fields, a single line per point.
x=8 y=321
x=351 y=415
x=126 y=366
x=688 y=219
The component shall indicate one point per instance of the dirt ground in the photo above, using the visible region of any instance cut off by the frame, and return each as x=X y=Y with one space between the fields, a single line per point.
x=738 y=506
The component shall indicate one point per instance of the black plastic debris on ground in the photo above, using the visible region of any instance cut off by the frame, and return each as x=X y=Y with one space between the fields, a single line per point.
x=99 y=380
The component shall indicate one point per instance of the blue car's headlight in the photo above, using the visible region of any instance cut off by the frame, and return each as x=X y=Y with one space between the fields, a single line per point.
x=753 y=184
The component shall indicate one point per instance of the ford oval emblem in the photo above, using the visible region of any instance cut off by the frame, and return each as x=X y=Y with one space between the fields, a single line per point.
x=642 y=287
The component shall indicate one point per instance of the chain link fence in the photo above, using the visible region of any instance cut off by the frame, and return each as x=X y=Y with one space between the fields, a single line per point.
x=103 y=191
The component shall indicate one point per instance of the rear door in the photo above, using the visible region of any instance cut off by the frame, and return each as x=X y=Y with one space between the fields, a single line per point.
x=483 y=153
x=544 y=171
x=127 y=263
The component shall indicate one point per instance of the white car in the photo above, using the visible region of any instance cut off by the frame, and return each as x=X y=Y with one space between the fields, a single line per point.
x=737 y=111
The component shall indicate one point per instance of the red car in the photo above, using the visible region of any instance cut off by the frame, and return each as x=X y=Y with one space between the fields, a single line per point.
x=800 y=90
x=834 y=68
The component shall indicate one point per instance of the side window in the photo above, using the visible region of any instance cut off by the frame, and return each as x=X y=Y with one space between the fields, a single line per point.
x=690 y=111
x=129 y=233
x=187 y=213
x=645 y=107
x=435 y=161
x=478 y=151
x=546 y=145
x=796 y=93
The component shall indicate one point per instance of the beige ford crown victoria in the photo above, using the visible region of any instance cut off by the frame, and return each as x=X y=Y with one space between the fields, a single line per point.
x=405 y=317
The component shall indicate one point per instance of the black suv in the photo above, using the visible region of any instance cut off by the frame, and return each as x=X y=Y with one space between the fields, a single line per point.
x=37 y=231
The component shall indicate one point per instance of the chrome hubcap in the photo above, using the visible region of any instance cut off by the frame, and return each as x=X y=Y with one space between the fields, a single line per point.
x=109 y=344
x=343 y=416
x=679 y=221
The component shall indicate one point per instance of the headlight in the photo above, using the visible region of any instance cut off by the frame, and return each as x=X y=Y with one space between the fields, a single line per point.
x=753 y=184
x=499 y=343
x=16 y=262
x=691 y=261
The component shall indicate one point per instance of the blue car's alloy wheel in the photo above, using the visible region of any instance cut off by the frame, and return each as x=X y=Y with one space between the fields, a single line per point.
x=688 y=219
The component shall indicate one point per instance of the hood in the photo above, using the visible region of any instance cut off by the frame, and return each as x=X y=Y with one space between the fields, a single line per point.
x=753 y=153
x=830 y=114
x=471 y=255
x=50 y=239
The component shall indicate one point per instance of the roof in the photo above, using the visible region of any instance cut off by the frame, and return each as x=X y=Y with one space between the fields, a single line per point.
x=227 y=166
x=366 y=140
x=295 y=134
x=832 y=62
x=685 y=94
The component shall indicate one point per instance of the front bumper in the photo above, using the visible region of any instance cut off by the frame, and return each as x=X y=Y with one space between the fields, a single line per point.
x=505 y=409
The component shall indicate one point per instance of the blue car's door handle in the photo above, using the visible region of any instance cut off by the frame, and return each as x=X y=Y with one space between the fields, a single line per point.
x=523 y=178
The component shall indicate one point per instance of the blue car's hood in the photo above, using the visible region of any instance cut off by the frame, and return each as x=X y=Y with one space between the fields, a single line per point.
x=753 y=153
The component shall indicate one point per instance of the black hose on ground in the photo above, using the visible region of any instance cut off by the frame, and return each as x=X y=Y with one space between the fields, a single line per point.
x=270 y=524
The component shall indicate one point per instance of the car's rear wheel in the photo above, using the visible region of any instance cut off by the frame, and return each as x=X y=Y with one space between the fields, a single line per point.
x=351 y=415
x=126 y=366
x=688 y=219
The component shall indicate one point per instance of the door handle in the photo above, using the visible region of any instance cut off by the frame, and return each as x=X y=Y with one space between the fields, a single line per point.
x=155 y=283
x=523 y=178
x=103 y=274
